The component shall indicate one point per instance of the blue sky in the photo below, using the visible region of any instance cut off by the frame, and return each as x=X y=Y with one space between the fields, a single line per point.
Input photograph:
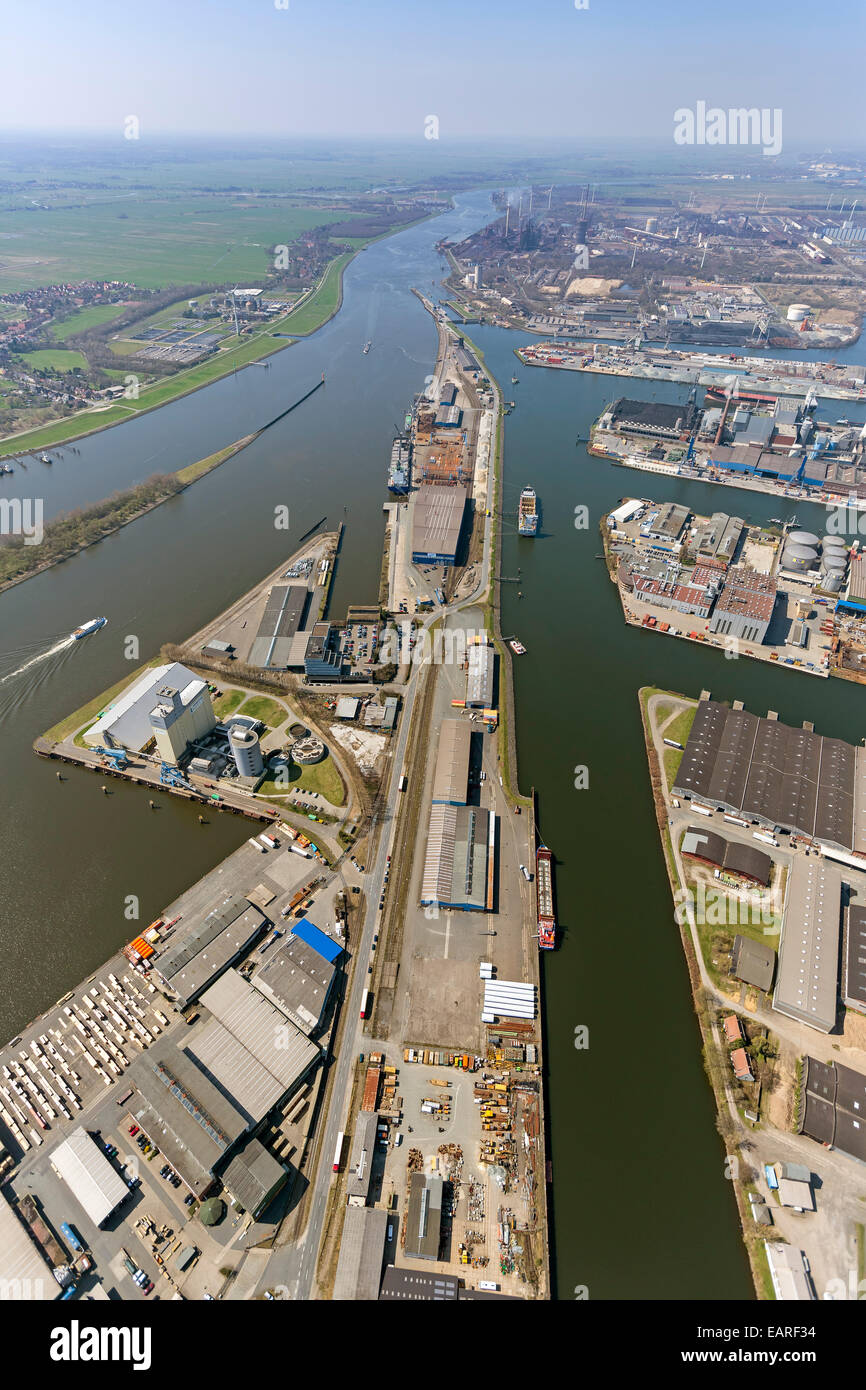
x=495 y=68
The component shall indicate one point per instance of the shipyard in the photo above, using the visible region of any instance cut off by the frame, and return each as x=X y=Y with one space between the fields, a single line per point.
x=400 y=1123
x=754 y=441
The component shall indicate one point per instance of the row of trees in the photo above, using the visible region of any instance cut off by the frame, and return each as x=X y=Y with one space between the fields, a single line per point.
x=66 y=534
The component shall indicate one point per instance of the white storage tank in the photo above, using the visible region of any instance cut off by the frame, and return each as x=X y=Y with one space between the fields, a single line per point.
x=246 y=752
x=796 y=312
x=802 y=538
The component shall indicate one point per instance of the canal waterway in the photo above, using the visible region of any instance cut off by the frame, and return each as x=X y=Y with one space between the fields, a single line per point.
x=641 y=1206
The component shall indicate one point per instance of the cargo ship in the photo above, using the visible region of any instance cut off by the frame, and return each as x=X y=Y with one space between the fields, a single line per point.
x=527 y=513
x=92 y=625
x=544 y=895
x=400 y=467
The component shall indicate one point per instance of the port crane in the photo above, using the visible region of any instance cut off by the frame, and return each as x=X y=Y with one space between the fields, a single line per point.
x=171 y=776
x=117 y=757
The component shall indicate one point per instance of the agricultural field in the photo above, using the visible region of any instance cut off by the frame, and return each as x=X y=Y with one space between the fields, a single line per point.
x=79 y=322
x=57 y=359
x=152 y=242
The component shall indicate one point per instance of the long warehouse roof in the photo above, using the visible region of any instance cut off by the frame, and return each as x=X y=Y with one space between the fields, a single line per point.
x=808 y=976
x=451 y=775
x=438 y=518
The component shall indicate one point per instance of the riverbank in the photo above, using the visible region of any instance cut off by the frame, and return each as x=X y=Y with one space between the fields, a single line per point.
x=729 y=1136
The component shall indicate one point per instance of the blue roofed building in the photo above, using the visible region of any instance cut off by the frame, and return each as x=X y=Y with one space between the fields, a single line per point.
x=325 y=945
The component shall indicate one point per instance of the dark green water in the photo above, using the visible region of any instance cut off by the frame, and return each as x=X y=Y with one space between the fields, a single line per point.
x=641 y=1206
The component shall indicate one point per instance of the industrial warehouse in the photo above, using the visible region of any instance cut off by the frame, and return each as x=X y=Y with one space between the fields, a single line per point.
x=437 y=523
x=168 y=706
x=746 y=861
x=755 y=591
x=459 y=859
x=807 y=981
x=791 y=779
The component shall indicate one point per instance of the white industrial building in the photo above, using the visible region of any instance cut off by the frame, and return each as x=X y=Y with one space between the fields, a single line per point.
x=167 y=704
x=508 y=999
x=96 y=1185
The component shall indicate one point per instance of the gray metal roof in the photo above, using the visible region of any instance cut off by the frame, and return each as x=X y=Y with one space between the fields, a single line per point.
x=808 y=977
x=754 y=962
x=203 y=951
x=250 y=1048
x=437 y=519
x=298 y=980
x=253 y=1176
x=415 y=1285
x=360 y=1170
x=280 y=621
x=451 y=774
x=362 y=1250
x=182 y=1109
x=424 y=1217
x=854 y=976
x=792 y=778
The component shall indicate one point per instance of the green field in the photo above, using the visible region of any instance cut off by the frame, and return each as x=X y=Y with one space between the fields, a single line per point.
x=83 y=319
x=323 y=777
x=268 y=711
x=58 y=359
x=152 y=241
x=322 y=303
x=227 y=704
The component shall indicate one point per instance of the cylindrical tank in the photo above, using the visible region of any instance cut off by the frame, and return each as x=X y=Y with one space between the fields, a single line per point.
x=833 y=563
x=246 y=752
x=803 y=538
x=836 y=543
x=798 y=311
x=799 y=557
x=833 y=581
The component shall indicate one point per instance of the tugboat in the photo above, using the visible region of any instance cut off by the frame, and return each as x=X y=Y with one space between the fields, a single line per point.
x=367 y=346
x=544 y=896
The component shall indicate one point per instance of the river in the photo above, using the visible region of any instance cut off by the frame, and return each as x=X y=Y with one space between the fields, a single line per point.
x=641 y=1207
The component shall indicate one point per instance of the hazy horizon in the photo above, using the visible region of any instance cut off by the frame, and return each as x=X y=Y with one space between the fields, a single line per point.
x=488 y=71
